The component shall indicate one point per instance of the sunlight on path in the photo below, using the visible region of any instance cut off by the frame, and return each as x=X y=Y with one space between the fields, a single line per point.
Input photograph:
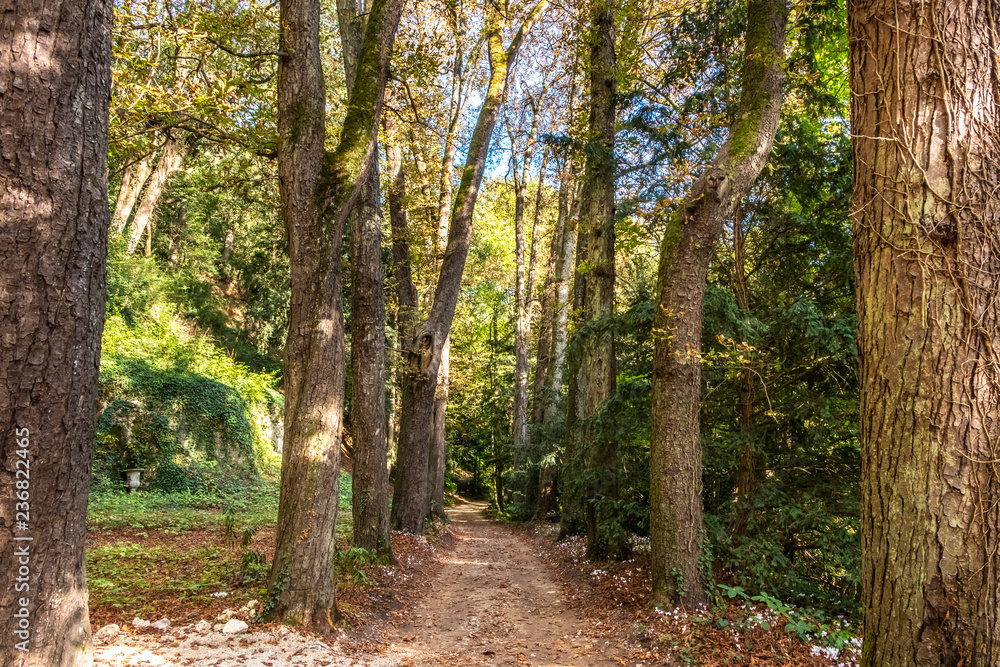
x=495 y=602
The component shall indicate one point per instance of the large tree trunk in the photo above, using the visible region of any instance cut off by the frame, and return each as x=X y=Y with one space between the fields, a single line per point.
x=171 y=158
x=688 y=241
x=55 y=74
x=370 y=476
x=595 y=370
x=423 y=353
x=133 y=178
x=318 y=193
x=925 y=117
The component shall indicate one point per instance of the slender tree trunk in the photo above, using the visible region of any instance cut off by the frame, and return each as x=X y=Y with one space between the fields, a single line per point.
x=547 y=400
x=171 y=158
x=688 y=241
x=370 y=483
x=55 y=74
x=522 y=337
x=925 y=117
x=436 y=460
x=573 y=469
x=318 y=194
x=746 y=464
x=423 y=355
x=520 y=416
x=595 y=381
x=134 y=177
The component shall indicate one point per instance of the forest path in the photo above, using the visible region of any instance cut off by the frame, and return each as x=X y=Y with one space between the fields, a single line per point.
x=495 y=602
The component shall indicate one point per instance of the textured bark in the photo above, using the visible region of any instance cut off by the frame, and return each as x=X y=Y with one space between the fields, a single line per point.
x=688 y=241
x=171 y=158
x=55 y=87
x=436 y=459
x=423 y=353
x=134 y=177
x=596 y=371
x=370 y=476
x=925 y=113
x=318 y=193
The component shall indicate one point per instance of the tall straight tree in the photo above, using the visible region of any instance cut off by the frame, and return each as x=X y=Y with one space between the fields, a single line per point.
x=688 y=241
x=593 y=373
x=55 y=74
x=423 y=353
x=925 y=118
x=318 y=192
x=370 y=477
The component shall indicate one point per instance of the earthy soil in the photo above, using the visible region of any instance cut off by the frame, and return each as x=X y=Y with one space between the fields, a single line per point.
x=497 y=602
x=490 y=599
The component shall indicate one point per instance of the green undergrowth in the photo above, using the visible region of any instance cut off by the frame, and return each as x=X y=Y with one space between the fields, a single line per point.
x=183 y=511
x=216 y=553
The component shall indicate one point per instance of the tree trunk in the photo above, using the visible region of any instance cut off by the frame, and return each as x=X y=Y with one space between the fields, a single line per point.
x=370 y=478
x=134 y=177
x=55 y=83
x=318 y=193
x=746 y=463
x=564 y=250
x=595 y=381
x=520 y=408
x=170 y=161
x=423 y=353
x=925 y=116
x=436 y=460
x=688 y=241
x=573 y=469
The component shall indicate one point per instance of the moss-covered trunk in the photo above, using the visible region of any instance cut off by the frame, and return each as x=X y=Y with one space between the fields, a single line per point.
x=688 y=241
x=370 y=476
x=925 y=118
x=318 y=193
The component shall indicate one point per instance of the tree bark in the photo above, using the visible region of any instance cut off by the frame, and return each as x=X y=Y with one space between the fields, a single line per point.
x=171 y=158
x=423 y=353
x=318 y=193
x=549 y=375
x=595 y=371
x=687 y=246
x=55 y=88
x=134 y=177
x=370 y=476
x=925 y=117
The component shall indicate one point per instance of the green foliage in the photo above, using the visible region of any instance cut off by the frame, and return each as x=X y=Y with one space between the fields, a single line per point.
x=175 y=404
x=255 y=502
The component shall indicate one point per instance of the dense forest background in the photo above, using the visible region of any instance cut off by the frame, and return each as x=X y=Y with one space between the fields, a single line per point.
x=198 y=275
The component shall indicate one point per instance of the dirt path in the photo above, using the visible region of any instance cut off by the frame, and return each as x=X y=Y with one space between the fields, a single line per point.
x=494 y=602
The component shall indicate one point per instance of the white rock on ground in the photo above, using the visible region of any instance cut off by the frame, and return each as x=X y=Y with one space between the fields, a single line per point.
x=107 y=633
x=140 y=624
x=202 y=627
x=162 y=624
x=235 y=627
